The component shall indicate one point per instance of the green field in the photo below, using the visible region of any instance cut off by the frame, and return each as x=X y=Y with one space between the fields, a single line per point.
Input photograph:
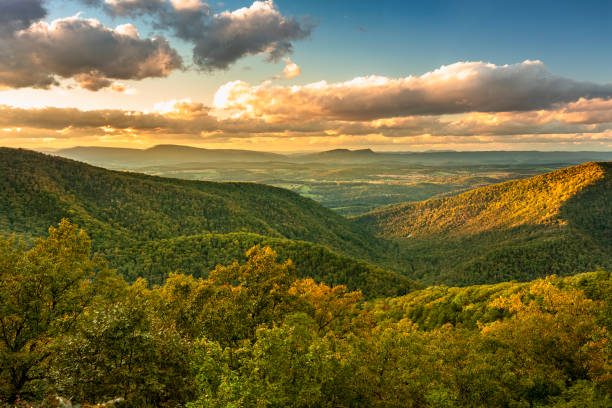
x=352 y=189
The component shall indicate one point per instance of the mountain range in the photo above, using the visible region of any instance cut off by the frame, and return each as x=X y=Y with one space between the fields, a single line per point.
x=122 y=158
x=131 y=216
x=558 y=222
x=161 y=154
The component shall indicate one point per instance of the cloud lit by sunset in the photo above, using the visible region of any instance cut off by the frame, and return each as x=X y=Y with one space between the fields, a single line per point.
x=141 y=72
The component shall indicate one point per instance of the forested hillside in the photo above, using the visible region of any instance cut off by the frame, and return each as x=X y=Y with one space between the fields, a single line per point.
x=559 y=222
x=116 y=207
x=554 y=223
x=199 y=254
x=254 y=335
x=467 y=307
x=132 y=217
x=534 y=201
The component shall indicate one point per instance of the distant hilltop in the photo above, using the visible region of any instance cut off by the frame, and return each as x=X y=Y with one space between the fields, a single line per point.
x=168 y=154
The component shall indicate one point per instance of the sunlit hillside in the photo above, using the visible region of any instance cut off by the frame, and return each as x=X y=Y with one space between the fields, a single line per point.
x=558 y=222
x=541 y=200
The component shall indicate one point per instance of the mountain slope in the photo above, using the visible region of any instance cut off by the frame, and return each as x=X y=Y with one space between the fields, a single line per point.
x=467 y=307
x=123 y=210
x=559 y=222
x=199 y=254
x=535 y=201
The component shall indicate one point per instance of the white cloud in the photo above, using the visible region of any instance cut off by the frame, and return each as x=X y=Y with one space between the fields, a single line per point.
x=128 y=29
x=187 y=5
x=457 y=88
x=219 y=39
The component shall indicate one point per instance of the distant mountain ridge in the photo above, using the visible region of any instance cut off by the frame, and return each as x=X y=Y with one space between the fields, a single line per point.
x=133 y=159
x=443 y=158
x=160 y=154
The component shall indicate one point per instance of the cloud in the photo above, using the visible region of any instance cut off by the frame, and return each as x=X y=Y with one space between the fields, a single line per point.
x=139 y=7
x=19 y=14
x=584 y=120
x=187 y=5
x=92 y=82
x=181 y=117
x=457 y=88
x=220 y=39
x=84 y=50
x=291 y=69
x=258 y=29
x=129 y=7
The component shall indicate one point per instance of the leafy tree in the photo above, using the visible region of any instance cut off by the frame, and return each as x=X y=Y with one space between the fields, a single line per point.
x=125 y=347
x=43 y=291
x=331 y=308
x=253 y=293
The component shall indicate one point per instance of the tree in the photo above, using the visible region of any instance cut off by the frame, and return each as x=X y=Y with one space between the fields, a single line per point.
x=249 y=295
x=288 y=365
x=42 y=293
x=125 y=347
x=554 y=337
x=331 y=308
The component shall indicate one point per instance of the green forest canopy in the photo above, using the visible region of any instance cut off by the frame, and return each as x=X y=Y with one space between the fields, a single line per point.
x=561 y=225
x=254 y=335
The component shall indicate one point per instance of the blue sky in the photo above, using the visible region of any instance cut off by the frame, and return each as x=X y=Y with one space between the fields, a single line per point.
x=404 y=37
x=412 y=37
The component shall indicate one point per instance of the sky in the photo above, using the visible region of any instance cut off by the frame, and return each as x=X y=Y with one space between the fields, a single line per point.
x=306 y=75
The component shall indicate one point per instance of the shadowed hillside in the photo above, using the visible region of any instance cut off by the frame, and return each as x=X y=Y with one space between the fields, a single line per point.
x=122 y=211
x=199 y=254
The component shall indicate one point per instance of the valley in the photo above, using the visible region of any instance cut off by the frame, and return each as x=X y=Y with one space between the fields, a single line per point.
x=348 y=182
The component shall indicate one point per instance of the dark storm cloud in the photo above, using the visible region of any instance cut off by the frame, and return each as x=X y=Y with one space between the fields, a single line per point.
x=19 y=14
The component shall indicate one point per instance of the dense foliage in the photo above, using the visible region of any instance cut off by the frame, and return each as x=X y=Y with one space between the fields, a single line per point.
x=198 y=255
x=133 y=219
x=555 y=223
x=254 y=335
x=119 y=209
